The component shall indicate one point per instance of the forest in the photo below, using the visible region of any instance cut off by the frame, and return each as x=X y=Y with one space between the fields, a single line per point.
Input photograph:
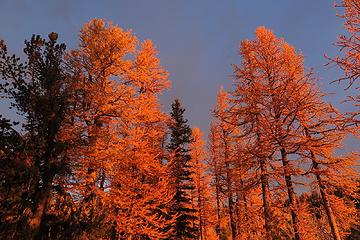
x=95 y=155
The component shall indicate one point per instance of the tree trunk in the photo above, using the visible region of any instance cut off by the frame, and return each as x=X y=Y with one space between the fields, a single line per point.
x=324 y=198
x=217 y=193
x=201 y=210
x=240 y=194
x=229 y=187
x=266 y=198
x=201 y=225
x=237 y=213
x=204 y=216
x=291 y=195
x=204 y=224
x=230 y=201
x=325 y=201
x=231 y=214
x=36 y=219
x=43 y=192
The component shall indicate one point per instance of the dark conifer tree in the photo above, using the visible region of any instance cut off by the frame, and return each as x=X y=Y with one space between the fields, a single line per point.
x=185 y=225
x=39 y=91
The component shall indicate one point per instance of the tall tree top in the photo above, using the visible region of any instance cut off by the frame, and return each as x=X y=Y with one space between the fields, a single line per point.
x=180 y=130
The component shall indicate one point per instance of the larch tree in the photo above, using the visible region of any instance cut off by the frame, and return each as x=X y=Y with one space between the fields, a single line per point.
x=334 y=174
x=272 y=93
x=248 y=203
x=274 y=105
x=121 y=180
x=185 y=225
x=225 y=155
x=246 y=114
x=348 y=59
x=149 y=186
x=98 y=104
x=232 y=166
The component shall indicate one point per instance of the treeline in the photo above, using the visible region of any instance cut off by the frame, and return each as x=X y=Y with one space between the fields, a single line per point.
x=95 y=157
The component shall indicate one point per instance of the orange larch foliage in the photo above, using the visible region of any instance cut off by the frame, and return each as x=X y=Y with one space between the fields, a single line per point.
x=226 y=159
x=333 y=175
x=120 y=173
x=92 y=163
x=274 y=103
x=273 y=96
x=349 y=44
x=349 y=58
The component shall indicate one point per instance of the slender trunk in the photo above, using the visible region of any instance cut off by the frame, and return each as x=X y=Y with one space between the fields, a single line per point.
x=231 y=213
x=246 y=216
x=229 y=187
x=324 y=197
x=204 y=220
x=328 y=210
x=325 y=201
x=204 y=225
x=201 y=225
x=266 y=198
x=231 y=203
x=102 y=178
x=217 y=193
x=200 y=212
x=238 y=217
x=201 y=230
x=291 y=194
x=241 y=216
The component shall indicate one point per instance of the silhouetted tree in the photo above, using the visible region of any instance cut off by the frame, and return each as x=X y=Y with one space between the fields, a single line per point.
x=38 y=90
x=181 y=206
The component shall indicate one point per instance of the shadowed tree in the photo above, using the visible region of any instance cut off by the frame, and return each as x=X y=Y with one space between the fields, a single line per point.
x=181 y=206
x=39 y=91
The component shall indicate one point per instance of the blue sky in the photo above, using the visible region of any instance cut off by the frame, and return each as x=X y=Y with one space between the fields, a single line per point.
x=198 y=40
